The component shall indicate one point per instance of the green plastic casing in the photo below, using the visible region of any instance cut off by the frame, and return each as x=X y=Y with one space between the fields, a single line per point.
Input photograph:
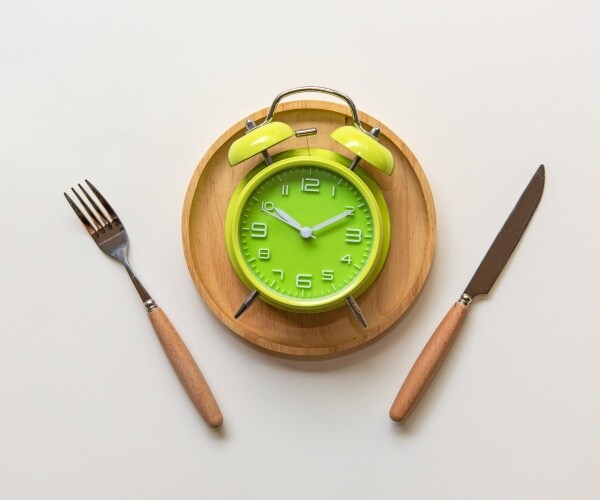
x=257 y=140
x=365 y=146
x=358 y=178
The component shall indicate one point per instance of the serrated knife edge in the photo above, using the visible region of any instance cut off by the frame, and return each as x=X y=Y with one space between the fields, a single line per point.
x=508 y=237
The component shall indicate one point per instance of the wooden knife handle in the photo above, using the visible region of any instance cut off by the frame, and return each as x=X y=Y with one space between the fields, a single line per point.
x=428 y=362
x=186 y=368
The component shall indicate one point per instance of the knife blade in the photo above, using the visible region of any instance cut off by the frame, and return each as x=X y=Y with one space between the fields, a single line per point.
x=485 y=276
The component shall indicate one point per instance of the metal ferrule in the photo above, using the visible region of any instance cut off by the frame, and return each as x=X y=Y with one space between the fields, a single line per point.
x=465 y=300
x=150 y=305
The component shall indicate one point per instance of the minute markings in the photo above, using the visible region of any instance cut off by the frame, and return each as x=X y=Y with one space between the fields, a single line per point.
x=270 y=190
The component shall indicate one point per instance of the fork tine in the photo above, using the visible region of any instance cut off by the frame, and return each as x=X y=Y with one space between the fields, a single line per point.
x=90 y=229
x=109 y=210
x=88 y=210
x=95 y=205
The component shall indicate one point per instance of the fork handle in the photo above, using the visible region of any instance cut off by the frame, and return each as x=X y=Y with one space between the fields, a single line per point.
x=186 y=368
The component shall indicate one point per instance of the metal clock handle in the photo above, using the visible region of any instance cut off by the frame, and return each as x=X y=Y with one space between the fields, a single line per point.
x=374 y=132
x=322 y=90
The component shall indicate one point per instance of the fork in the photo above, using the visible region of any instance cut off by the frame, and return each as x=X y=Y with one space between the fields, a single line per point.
x=107 y=230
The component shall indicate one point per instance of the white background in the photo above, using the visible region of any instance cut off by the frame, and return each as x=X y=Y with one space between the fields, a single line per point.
x=131 y=95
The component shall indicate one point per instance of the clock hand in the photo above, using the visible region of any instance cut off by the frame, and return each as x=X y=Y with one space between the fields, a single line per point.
x=305 y=231
x=330 y=221
x=288 y=218
x=276 y=216
x=279 y=217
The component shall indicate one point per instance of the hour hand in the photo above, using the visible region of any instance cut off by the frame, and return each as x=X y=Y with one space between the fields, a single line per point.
x=305 y=231
x=288 y=218
x=277 y=216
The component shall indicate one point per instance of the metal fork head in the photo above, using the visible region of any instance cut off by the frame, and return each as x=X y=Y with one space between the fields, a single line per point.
x=101 y=222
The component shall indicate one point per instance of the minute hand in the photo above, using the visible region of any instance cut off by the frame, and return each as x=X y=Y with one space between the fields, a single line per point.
x=330 y=221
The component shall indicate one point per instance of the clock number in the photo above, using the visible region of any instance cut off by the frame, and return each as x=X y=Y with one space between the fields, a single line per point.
x=353 y=235
x=278 y=271
x=310 y=185
x=327 y=275
x=349 y=209
x=304 y=280
x=259 y=230
x=285 y=189
x=264 y=253
x=268 y=206
x=347 y=259
x=333 y=191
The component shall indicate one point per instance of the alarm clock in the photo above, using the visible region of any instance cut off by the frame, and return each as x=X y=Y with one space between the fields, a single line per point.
x=308 y=230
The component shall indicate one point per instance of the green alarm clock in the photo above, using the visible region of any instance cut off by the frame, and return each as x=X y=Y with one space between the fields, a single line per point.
x=307 y=230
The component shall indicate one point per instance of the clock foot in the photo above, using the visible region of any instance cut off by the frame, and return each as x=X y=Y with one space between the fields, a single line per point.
x=246 y=304
x=356 y=310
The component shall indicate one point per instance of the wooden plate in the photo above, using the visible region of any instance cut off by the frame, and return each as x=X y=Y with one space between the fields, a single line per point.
x=309 y=335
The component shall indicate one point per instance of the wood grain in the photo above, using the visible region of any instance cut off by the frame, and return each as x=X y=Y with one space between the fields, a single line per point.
x=186 y=368
x=309 y=335
x=428 y=363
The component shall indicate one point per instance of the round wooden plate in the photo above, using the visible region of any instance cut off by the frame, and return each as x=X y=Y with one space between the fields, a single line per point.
x=309 y=335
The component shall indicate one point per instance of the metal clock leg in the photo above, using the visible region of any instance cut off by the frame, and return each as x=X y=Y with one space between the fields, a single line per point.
x=356 y=310
x=246 y=304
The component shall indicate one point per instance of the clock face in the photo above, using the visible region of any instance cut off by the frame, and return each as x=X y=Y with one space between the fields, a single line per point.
x=307 y=233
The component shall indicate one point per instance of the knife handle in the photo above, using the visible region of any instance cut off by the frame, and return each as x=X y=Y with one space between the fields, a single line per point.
x=428 y=362
x=186 y=368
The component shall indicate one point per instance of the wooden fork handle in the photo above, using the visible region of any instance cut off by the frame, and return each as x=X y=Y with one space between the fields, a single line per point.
x=427 y=363
x=186 y=368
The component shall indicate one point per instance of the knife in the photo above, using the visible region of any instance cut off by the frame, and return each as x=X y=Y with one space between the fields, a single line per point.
x=495 y=259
